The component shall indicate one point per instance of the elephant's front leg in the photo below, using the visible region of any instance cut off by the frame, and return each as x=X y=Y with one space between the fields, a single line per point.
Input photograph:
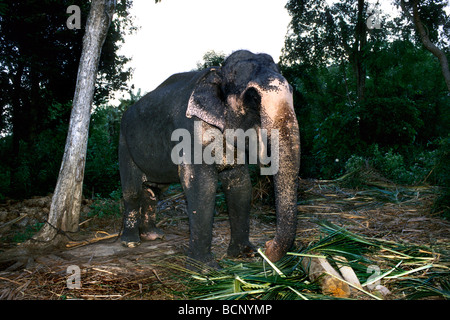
x=199 y=182
x=237 y=188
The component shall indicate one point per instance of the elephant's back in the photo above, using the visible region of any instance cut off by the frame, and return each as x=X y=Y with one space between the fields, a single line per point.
x=169 y=97
x=147 y=125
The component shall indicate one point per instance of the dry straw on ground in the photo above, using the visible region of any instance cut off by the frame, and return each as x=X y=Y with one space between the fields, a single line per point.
x=380 y=210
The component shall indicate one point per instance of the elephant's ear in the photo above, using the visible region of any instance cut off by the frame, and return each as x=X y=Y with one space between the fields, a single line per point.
x=206 y=100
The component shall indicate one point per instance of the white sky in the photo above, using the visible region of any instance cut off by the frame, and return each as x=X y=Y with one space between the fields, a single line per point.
x=175 y=34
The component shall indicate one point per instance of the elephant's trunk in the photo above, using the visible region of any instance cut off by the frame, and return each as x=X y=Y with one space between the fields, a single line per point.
x=277 y=113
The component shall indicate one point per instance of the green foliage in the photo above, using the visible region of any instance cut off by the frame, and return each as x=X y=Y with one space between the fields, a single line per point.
x=405 y=108
x=442 y=178
x=350 y=129
x=102 y=162
x=4 y=182
x=102 y=167
x=38 y=71
x=38 y=164
x=328 y=147
x=433 y=15
x=391 y=121
x=29 y=232
x=392 y=165
x=107 y=206
x=399 y=128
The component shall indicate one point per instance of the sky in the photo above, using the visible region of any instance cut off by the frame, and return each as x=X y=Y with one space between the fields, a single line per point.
x=175 y=34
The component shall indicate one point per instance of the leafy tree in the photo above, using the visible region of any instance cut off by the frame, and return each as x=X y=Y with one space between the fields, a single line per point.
x=38 y=67
x=39 y=59
x=399 y=107
x=321 y=35
x=102 y=163
x=428 y=16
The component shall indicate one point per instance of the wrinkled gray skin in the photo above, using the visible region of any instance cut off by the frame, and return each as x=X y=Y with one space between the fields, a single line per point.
x=246 y=92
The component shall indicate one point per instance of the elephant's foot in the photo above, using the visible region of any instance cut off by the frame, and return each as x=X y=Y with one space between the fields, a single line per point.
x=245 y=249
x=129 y=243
x=152 y=234
x=130 y=238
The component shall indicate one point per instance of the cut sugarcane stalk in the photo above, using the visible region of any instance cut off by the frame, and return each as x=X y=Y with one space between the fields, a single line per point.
x=320 y=269
x=347 y=272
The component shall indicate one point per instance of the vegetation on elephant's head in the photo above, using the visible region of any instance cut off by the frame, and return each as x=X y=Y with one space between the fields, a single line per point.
x=211 y=59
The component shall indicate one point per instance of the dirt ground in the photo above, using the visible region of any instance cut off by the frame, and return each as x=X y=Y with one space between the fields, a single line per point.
x=107 y=270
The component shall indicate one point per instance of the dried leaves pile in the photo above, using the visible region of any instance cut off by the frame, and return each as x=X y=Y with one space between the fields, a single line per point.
x=379 y=210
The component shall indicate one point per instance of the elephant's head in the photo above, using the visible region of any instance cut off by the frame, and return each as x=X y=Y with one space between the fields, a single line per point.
x=248 y=91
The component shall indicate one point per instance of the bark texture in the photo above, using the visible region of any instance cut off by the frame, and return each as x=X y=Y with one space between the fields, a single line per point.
x=65 y=208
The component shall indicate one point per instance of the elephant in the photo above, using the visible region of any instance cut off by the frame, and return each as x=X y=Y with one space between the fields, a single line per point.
x=248 y=93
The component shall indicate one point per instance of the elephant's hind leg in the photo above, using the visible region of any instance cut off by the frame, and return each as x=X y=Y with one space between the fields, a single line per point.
x=131 y=221
x=131 y=179
x=149 y=200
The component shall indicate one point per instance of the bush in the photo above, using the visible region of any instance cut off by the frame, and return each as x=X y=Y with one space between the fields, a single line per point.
x=392 y=165
x=336 y=139
x=441 y=175
x=102 y=163
x=390 y=122
x=102 y=160
x=107 y=207
x=4 y=181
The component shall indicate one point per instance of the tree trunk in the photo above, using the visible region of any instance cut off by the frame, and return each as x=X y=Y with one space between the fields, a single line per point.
x=17 y=120
x=66 y=202
x=360 y=44
x=430 y=46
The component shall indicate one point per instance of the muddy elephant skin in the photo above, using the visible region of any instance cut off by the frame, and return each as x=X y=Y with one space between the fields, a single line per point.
x=247 y=92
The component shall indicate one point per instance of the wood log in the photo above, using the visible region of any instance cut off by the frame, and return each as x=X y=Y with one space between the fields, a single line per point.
x=320 y=269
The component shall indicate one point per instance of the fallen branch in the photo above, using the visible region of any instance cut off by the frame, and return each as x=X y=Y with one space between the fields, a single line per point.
x=7 y=225
x=76 y=244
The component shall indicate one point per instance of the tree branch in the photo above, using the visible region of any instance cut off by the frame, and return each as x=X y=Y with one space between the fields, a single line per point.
x=423 y=34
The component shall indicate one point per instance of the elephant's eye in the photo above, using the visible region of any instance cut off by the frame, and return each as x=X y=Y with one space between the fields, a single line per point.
x=252 y=99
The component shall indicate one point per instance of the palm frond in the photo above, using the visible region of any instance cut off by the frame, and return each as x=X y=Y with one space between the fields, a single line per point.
x=413 y=269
